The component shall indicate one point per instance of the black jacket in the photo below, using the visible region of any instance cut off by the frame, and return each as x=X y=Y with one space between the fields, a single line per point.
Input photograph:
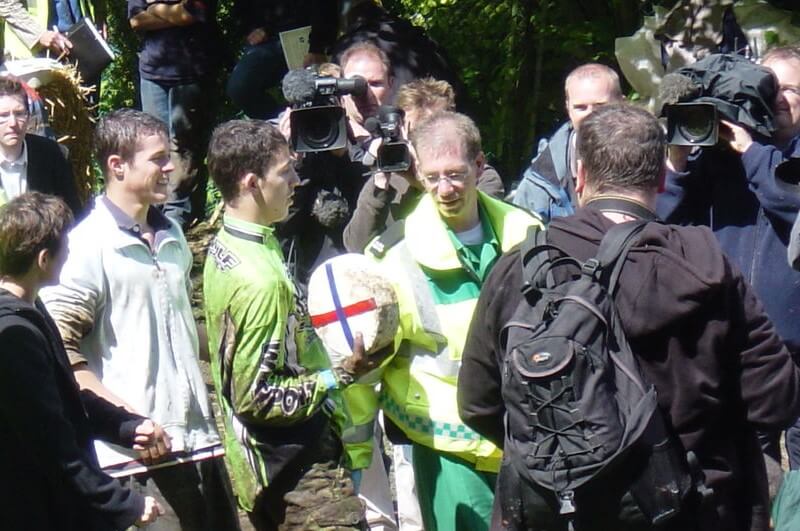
x=703 y=340
x=322 y=207
x=275 y=16
x=50 y=476
x=49 y=172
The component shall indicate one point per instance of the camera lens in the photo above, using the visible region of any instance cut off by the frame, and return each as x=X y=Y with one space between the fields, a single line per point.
x=394 y=156
x=321 y=130
x=692 y=124
x=696 y=127
x=318 y=128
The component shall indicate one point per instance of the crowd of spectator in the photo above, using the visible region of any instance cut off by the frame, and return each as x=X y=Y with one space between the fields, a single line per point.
x=107 y=412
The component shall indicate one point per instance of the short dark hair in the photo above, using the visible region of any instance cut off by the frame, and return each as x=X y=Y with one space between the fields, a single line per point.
x=119 y=132
x=239 y=147
x=11 y=86
x=429 y=132
x=29 y=223
x=622 y=147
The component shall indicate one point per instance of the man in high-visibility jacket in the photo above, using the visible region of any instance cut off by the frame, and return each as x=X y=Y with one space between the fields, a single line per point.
x=438 y=259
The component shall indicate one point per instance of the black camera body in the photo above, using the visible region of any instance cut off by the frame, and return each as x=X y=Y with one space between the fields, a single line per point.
x=393 y=154
x=318 y=120
x=718 y=87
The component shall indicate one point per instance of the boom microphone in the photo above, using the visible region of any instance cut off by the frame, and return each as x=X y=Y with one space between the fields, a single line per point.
x=299 y=86
x=677 y=88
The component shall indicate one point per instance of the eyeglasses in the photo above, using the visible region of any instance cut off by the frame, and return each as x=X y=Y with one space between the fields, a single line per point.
x=17 y=116
x=452 y=177
x=790 y=88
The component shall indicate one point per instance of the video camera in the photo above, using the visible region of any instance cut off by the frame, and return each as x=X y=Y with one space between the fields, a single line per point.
x=692 y=124
x=393 y=154
x=720 y=86
x=318 y=120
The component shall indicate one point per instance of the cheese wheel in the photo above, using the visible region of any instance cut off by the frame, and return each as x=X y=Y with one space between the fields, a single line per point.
x=346 y=295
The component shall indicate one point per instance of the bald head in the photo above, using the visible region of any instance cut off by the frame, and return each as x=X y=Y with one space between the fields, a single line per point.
x=590 y=86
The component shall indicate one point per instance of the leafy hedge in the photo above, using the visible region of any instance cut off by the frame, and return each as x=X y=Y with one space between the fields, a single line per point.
x=512 y=56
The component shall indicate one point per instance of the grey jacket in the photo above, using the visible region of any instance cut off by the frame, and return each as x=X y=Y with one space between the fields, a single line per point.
x=13 y=13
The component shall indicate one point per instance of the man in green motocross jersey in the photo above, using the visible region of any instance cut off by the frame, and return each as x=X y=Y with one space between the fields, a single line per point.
x=273 y=378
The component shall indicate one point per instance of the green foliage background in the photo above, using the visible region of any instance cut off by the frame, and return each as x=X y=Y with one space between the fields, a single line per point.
x=512 y=55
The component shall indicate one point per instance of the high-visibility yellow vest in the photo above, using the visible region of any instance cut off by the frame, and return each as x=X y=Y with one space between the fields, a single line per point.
x=40 y=11
x=418 y=384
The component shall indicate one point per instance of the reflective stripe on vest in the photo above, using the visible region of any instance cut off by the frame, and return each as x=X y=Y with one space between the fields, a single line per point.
x=438 y=363
x=426 y=425
x=358 y=434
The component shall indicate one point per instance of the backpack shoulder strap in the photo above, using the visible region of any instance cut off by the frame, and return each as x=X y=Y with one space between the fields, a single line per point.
x=532 y=253
x=537 y=263
x=614 y=249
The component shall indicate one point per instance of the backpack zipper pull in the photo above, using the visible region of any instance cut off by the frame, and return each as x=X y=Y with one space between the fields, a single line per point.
x=567 y=501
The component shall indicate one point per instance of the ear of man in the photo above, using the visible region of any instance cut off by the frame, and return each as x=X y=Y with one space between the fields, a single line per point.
x=249 y=183
x=115 y=165
x=580 y=179
x=480 y=162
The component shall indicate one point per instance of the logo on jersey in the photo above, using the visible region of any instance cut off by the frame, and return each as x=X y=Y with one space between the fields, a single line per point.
x=223 y=257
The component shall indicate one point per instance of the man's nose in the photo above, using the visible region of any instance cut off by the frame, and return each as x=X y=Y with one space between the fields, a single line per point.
x=444 y=187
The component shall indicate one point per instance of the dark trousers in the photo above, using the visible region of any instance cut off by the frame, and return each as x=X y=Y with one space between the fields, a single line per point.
x=195 y=496
x=186 y=110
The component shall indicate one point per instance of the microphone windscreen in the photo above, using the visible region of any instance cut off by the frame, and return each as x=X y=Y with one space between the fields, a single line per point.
x=676 y=88
x=373 y=125
x=299 y=85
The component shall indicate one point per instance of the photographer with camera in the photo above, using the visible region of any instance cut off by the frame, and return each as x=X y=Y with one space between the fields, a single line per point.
x=733 y=188
x=394 y=190
x=316 y=127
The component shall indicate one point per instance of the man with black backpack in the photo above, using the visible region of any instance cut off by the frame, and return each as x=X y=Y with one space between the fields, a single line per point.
x=625 y=397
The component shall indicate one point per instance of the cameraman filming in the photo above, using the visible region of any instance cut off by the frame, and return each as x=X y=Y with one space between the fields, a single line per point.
x=389 y=196
x=733 y=189
x=324 y=202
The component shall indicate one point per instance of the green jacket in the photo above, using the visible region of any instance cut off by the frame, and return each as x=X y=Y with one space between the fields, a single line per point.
x=437 y=282
x=268 y=366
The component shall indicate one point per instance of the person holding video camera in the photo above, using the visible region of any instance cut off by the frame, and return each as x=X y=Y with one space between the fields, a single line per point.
x=391 y=194
x=317 y=130
x=734 y=189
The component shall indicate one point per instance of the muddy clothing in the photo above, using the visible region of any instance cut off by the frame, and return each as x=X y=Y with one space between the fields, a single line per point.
x=51 y=478
x=701 y=336
x=268 y=366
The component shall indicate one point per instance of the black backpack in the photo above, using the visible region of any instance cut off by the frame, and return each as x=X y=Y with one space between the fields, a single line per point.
x=581 y=418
